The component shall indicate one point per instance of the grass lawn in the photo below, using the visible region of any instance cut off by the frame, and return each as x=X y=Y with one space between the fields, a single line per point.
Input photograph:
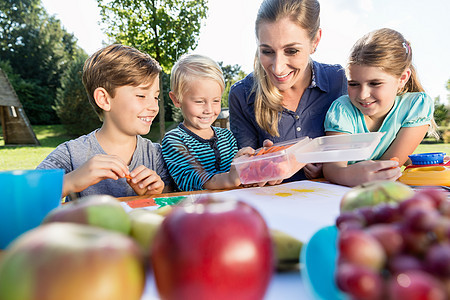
x=50 y=136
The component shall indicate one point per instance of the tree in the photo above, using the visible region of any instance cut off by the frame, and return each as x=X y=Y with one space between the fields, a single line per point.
x=231 y=74
x=441 y=112
x=72 y=104
x=37 y=48
x=165 y=29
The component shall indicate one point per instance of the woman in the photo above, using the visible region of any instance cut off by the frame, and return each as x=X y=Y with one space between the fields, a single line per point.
x=288 y=94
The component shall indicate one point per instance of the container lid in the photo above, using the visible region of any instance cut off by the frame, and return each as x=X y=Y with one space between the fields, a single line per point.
x=427 y=158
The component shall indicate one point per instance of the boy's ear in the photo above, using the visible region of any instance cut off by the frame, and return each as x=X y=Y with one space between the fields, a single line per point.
x=175 y=100
x=405 y=77
x=102 y=98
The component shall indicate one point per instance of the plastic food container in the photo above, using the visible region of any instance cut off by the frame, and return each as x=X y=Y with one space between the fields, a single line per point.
x=427 y=169
x=283 y=160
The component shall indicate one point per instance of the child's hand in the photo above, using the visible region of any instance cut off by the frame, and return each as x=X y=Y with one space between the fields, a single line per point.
x=267 y=143
x=145 y=181
x=313 y=170
x=245 y=151
x=370 y=170
x=96 y=169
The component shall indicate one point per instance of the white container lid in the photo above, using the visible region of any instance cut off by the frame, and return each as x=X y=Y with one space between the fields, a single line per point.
x=342 y=147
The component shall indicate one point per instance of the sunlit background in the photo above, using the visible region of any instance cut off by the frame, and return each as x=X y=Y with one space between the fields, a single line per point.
x=228 y=32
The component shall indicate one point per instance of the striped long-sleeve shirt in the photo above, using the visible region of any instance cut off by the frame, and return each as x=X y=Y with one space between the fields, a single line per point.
x=192 y=160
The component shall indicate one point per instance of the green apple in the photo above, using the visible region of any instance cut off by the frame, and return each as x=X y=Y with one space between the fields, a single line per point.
x=97 y=210
x=144 y=225
x=72 y=262
x=376 y=192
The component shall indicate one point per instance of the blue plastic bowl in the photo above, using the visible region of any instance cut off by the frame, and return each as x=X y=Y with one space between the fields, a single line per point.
x=318 y=264
x=26 y=196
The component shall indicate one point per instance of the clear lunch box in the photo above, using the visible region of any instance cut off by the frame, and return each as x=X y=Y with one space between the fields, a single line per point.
x=282 y=160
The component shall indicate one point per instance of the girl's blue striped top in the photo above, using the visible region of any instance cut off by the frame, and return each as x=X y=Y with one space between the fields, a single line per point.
x=192 y=160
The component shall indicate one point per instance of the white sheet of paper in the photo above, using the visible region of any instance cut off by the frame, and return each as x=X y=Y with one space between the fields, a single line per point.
x=298 y=208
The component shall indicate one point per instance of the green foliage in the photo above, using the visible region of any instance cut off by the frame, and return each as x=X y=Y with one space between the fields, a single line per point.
x=34 y=97
x=441 y=113
x=72 y=104
x=37 y=49
x=231 y=74
x=165 y=29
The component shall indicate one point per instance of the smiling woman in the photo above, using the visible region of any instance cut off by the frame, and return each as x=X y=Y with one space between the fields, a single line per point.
x=288 y=94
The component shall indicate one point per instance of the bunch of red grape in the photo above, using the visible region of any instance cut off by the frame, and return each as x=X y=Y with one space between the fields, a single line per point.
x=396 y=251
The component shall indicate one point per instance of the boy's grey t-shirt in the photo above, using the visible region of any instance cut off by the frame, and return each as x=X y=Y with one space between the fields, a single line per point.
x=74 y=153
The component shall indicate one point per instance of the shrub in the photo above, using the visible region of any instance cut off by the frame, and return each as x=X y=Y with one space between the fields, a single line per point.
x=72 y=104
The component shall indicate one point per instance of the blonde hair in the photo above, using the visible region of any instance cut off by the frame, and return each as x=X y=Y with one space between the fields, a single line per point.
x=268 y=99
x=191 y=67
x=115 y=66
x=388 y=50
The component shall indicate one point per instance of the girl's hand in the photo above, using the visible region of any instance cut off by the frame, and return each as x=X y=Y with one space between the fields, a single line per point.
x=145 y=181
x=370 y=170
x=96 y=169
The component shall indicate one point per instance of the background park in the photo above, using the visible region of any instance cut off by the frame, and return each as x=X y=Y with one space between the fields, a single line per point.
x=43 y=63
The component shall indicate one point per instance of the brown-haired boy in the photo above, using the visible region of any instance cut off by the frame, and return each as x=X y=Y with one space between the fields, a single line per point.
x=122 y=84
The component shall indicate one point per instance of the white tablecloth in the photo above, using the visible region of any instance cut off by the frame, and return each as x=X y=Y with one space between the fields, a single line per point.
x=298 y=208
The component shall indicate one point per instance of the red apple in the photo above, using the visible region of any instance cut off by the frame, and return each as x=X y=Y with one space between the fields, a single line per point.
x=72 y=262
x=215 y=250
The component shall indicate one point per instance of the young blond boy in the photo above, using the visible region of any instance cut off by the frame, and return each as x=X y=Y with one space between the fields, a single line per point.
x=197 y=154
x=122 y=84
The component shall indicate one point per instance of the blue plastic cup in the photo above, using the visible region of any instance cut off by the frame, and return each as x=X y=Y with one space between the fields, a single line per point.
x=26 y=196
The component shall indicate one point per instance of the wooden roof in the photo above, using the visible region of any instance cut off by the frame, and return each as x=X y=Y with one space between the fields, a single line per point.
x=16 y=127
x=8 y=96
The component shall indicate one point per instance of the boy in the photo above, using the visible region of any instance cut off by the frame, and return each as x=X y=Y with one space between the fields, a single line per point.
x=122 y=84
x=197 y=154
